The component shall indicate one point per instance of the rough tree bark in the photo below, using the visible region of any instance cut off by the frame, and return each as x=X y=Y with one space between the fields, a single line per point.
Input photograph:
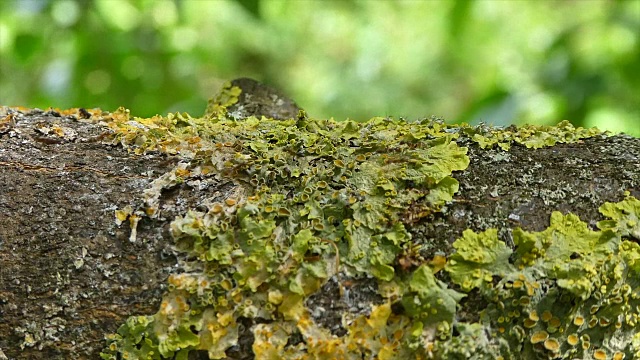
x=69 y=275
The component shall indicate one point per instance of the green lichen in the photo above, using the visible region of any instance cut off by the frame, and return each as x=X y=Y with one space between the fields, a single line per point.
x=428 y=300
x=481 y=256
x=217 y=106
x=318 y=199
x=531 y=136
x=568 y=292
x=625 y=217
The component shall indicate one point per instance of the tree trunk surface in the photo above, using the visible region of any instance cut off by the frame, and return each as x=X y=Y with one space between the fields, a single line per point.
x=69 y=274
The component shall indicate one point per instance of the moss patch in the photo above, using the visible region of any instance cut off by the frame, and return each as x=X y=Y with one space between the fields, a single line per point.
x=319 y=200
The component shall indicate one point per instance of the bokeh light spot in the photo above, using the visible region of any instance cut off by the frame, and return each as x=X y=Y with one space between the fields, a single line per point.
x=56 y=77
x=164 y=13
x=98 y=81
x=119 y=14
x=65 y=13
x=184 y=38
x=132 y=67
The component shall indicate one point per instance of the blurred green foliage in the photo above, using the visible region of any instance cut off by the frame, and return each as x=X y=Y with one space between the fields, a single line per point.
x=495 y=61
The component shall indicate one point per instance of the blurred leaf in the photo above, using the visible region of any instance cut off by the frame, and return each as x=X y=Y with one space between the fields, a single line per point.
x=458 y=18
x=26 y=46
x=251 y=6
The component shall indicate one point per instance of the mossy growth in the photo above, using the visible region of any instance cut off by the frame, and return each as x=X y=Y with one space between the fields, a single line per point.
x=319 y=199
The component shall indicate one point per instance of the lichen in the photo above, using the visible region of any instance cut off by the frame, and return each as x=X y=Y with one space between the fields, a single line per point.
x=567 y=292
x=320 y=199
x=625 y=217
x=531 y=136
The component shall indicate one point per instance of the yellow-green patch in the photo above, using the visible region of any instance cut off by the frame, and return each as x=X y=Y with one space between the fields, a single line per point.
x=320 y=198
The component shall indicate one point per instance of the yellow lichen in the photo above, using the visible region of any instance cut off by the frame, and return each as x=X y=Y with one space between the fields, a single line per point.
x=573 y=339
x=600 y=354
x=539 y=337
x=552 y=344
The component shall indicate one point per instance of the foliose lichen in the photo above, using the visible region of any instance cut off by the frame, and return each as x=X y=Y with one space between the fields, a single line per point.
x=531 y=136
x=566 y=292
x=320 y=199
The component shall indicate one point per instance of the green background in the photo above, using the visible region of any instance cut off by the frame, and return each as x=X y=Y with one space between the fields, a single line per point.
x=499 y=62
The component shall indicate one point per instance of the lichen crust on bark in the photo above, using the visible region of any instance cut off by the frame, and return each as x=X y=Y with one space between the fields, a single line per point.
x=322 y=205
